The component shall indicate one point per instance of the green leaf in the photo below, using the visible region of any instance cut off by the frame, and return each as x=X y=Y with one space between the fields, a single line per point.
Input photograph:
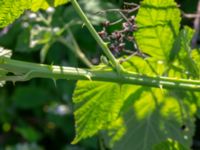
x=22 y=99
x=195 y=54
x=12 y=9
x=44 y=4
x=95 y=101
x=154 y=116
x=29 y=133
x=116 y=130
x=158 y=24
x=97 y=105
x=169 y=145
x=185 y=55
x=181 y=56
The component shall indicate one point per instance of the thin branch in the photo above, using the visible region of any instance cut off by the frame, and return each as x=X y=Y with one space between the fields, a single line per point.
x=75 y=49
x=190 y=16
x=196 y=27
x=101 y=43
x=32 y=70
x=119 y=10
x=131 y=4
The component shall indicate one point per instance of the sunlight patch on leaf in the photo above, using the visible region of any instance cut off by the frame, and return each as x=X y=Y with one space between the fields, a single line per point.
x=158 y=24
x=154 y=117
x=12 y=9
x=97 y=105
x=4 y=53
x=44 y=4
x=181 y=56
x=169 y=144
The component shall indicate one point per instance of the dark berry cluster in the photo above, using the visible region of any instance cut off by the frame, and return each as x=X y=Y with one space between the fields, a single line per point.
x=117 y=40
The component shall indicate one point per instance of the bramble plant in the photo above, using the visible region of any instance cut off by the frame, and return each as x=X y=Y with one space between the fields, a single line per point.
x=143 y=99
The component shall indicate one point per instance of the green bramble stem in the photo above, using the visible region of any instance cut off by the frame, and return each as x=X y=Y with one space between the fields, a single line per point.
x=101 y=43
x=32 y=70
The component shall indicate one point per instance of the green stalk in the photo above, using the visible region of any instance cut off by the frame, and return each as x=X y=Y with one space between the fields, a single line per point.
x=76 y=50
x=101 y=43
x=32 y=70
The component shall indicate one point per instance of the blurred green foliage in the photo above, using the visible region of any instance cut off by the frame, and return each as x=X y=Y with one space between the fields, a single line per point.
x=37 y=114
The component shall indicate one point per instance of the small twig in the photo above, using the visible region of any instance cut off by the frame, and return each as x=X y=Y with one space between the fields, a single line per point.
x=5 y=30
x=131 y=4
x=44 y=20
x=196 y=27
x=75 y=50
x=123 y=16
x=100 y=42
x=189 y=15
x=129 y=57
x=133 y=9
x=128 y=51
x=80 y=54
x=119 y=10
x=115 y=22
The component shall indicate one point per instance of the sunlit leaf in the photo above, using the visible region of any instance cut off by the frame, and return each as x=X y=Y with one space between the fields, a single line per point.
x=181 y=56
x=97 y=105
x=44 y=4
x=154 y=114
x=12 y=9
x=158 y=24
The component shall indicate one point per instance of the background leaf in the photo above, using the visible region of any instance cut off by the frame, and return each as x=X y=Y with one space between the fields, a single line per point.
x=169 y=145
x=23 y=100
x=12 y=9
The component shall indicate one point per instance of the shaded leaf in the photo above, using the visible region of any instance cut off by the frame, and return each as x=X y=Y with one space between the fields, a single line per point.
x=155 y=116
x=22 y=98
x=29 y=133
x=169 y=145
